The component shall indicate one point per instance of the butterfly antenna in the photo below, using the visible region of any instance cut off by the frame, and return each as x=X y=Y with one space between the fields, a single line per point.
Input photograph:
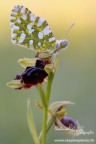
x=69 y=29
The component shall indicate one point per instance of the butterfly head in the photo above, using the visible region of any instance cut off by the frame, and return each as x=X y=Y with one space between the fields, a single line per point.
x=60 y=44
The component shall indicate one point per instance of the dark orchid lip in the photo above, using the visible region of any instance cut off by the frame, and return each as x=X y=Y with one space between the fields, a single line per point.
x=69 y=122
x=33 y=75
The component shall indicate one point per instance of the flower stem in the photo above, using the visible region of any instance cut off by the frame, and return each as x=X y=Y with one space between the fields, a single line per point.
x=48 y=91
x=45 y=109
x=44 y=123
x=42 y=95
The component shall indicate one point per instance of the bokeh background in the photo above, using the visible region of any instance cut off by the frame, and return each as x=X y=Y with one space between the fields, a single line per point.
x=75 y=79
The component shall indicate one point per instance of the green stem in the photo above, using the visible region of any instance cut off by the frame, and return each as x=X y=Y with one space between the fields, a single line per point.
x=44 y=123
x=42 y=135
x=45 y=102
x=48 y=91
x=49 y=124
x=42 y=95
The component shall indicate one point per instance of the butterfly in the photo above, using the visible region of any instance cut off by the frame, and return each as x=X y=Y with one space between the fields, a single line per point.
x=33 y=32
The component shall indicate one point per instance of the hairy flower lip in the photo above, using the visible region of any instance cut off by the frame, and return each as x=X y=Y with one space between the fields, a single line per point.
x=32 y=75
x=70 y=130
x=69 y=122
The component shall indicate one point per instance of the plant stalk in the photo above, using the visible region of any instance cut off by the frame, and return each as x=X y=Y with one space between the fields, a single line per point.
x=45 y=109
x=42 y=95
x=48 y=91
x=44 y=123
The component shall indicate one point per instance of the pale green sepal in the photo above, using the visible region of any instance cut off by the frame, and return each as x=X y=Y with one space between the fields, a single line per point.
x=48 y=68
x=53 y=66
x=25 y=62
x=46 y=80
x=57 y=105
x=31 y=123
x=15 y=84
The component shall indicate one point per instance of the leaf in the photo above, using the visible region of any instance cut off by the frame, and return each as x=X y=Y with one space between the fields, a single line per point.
x=31 y=123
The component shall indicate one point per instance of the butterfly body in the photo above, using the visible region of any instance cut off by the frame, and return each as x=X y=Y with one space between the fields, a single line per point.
x=33 y=32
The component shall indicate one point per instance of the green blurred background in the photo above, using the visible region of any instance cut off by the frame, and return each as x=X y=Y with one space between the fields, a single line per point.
x=75 y=79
